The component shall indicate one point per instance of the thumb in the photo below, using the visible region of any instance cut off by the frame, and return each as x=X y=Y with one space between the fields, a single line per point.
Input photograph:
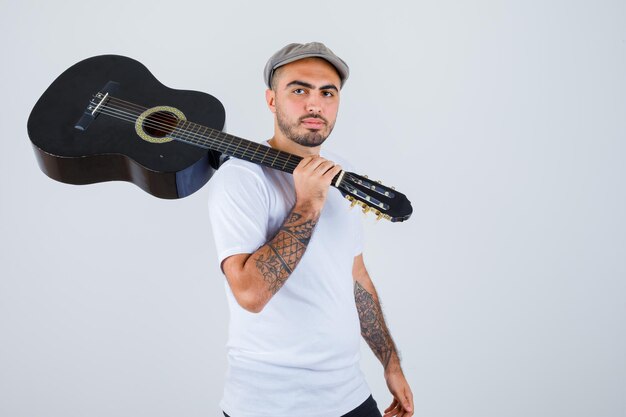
x=406 y=404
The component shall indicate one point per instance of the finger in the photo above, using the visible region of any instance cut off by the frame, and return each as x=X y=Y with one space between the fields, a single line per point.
x=395 y=410
x=312 y=166
x=404 y=410
x=408 y=400
x=406 y=405
x=324 y=166
x=393 y=404
x=333 y=171
x=391 y=413
x=304 y=162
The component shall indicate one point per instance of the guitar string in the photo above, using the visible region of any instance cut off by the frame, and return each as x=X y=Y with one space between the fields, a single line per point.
x=197 y=133
x=132 y=118
x=192 y=137
x=280 y=158
x=168 y=125
x=198 y=138
x=129 y=105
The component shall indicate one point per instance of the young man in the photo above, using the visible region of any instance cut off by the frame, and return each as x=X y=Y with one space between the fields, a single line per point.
x=298 y=291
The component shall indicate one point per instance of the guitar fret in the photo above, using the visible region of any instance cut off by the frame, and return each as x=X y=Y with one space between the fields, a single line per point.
x=198 y=135
x=203 y=135
x=182 y=131
x=277 y=153
x=201 y=139
x=193 y=134
x=237 y=147
x=218 y=145
x=246 y=148
x=266 y=152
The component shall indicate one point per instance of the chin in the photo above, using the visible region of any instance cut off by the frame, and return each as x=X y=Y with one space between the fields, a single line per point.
x=308 y=141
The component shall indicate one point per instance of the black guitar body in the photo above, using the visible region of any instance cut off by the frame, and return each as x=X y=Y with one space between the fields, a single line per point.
x=110 y=150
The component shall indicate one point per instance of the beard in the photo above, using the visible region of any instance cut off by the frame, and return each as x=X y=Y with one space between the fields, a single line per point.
x=306 y=137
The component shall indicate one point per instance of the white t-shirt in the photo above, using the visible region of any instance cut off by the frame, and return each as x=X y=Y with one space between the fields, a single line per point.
x=300 y=355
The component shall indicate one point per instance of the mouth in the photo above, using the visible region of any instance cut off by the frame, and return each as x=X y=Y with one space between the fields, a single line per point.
x=313 y=123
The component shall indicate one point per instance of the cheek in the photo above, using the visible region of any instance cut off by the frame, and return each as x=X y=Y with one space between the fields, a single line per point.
x=294 y=108
x=331 y=109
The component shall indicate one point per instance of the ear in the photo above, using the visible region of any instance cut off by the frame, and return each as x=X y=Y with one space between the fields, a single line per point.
x=270 y=98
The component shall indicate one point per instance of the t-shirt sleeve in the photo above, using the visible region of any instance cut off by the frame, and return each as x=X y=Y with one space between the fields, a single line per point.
x=238 y=211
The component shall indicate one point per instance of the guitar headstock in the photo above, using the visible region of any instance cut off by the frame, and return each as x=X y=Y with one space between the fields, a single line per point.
x=385 y=202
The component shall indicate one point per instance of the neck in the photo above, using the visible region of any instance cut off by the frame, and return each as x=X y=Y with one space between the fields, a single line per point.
x=282 y=143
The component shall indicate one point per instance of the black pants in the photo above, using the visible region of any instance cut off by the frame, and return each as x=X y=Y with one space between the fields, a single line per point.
x=367 y=409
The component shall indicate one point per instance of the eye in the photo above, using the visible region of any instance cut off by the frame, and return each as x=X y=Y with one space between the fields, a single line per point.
x=328 y=93
x=298 y=91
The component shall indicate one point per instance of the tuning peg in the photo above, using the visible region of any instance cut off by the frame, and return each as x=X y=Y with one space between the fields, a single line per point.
x=379 y=181
x=379 y=215
x=365 y=176
x=365 y=209
x=393 y=188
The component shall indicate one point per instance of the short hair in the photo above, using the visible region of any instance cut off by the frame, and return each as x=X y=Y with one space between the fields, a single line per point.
x=275 y=77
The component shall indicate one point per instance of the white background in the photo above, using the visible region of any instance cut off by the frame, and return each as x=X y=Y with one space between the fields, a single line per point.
x=503 y=122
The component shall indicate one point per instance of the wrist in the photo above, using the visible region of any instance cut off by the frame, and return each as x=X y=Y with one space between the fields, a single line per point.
x=307 y=209
x=393 y=367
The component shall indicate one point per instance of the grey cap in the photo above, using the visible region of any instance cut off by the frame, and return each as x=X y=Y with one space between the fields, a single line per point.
x=296 y=51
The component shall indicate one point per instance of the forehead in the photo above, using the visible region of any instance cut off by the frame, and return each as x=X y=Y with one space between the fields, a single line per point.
x=316 y=71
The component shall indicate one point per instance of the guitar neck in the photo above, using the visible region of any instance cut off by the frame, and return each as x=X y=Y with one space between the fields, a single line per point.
x=205 y=137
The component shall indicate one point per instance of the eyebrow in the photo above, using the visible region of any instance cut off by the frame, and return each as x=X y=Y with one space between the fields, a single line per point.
x=311 y=86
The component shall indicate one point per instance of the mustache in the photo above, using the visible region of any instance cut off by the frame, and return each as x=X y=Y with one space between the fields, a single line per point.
x=313 y=116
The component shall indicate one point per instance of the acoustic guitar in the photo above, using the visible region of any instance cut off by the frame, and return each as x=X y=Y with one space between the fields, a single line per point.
x=108 y=118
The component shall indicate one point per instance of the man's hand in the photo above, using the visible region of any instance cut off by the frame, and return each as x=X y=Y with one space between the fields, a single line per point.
x=312 y=178
x=402 y=404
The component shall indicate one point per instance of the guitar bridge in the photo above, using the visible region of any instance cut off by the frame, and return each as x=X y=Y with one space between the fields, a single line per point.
x=98 y=99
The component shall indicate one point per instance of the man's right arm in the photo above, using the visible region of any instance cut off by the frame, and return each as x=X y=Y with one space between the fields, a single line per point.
x=255 y=278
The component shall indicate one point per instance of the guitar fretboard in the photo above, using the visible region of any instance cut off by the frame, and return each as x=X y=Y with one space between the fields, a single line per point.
x=237 y=147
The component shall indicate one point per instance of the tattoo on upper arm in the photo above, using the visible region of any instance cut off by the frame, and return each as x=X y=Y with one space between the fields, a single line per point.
x=373 y=328
x=283 y=252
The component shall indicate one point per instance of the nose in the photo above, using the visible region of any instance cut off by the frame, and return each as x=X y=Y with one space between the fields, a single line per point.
x=313 y=105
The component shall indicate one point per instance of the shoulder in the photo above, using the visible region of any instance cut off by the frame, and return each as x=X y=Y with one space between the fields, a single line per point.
x=238 y=179
x=235 y=169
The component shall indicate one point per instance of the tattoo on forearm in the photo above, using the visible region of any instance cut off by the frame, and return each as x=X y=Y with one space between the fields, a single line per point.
x=373 y=328
x=280 y=256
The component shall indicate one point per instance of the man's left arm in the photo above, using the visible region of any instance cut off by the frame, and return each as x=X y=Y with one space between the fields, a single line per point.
x=375 y=332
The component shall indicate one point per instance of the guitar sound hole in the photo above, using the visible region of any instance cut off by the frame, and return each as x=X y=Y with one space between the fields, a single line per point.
x=160 y=124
